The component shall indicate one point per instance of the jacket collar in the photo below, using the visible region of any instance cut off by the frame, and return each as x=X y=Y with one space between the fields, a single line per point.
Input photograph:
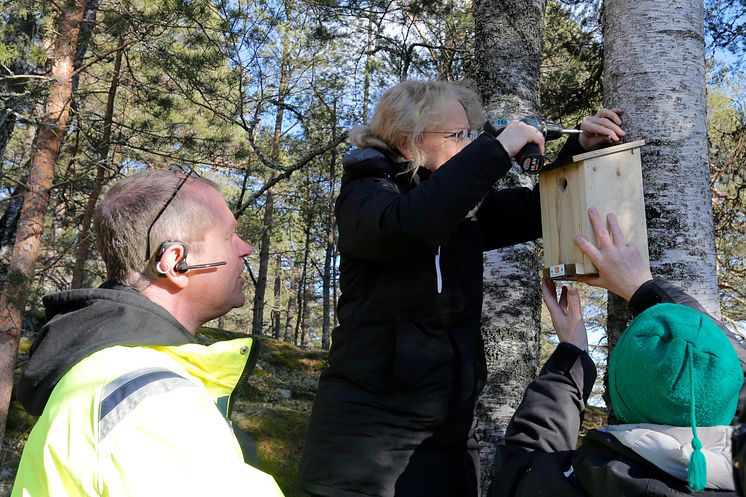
x=223 y=366
x=669 y=448
x=374 y=163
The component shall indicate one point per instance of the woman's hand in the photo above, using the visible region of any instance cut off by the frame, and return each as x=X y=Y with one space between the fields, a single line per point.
x=601 y=129
x=566 y=314
x=517 y=135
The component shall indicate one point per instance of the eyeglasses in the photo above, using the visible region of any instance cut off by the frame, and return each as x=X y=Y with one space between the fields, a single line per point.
x=462 y=135
x=158 y=216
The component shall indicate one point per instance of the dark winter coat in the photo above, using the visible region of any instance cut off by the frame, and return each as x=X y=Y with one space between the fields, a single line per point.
x=395 y=408
x=538 y=456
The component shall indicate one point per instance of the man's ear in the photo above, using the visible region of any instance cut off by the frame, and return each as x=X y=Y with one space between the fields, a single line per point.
x=166 y=265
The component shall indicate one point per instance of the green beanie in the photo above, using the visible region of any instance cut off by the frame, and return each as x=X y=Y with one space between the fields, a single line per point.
x=674 y=366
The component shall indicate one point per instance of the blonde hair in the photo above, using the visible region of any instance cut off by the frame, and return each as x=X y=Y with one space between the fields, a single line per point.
x=408 y=109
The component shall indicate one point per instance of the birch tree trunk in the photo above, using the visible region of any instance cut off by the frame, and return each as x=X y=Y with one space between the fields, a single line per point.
x=507 y=61
x=654 y=70
x=62 y=40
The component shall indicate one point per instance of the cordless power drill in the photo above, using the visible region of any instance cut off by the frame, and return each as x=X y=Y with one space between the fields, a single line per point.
x=529 y=157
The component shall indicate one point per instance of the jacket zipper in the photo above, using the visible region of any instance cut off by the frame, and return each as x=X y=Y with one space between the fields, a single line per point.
x=438 y=275
x=248 y=368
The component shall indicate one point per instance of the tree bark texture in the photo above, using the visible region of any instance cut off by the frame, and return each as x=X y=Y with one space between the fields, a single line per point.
x=291 y=313
x=7 y=125
x=619 y=315
x=301 y=324
x=277 y=298
x=257 y=324
x=9 y=219
x=328 y=282
x=63 y=39
x=507 y=63
x=654 y=70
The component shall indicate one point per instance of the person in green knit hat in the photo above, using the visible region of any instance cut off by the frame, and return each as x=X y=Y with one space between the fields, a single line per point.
x=673 y=366
x=675 y=384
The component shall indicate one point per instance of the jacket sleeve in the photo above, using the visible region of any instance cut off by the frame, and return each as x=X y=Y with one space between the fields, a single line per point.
x=178 y=443
x=510 y=215
x=544 y=428
x=513 y=215
x=658 y=291
x=378 y=222
x=570 y=148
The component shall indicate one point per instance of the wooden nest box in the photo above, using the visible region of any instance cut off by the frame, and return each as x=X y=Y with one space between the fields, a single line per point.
x=609 y=179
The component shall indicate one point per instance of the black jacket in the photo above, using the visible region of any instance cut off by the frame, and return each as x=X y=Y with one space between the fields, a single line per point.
x=540 y=440
x=394 y=410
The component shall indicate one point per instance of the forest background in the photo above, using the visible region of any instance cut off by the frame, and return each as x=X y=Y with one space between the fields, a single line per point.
x=258 y=96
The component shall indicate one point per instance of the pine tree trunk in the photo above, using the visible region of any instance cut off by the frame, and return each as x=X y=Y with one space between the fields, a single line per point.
x=7 y=125
x=13 y=206
x=257 y=324
x=261 y=280
x=31 y=225
x=291 y=314
x=328 y=282
x=277 y=298
x=84 y=37
x=306 y=315
x=81 y=254
x=302 y=295
x=507 y=62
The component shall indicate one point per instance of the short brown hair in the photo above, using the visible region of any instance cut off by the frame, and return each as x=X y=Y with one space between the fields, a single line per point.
x=408 y=109
x=124 y=214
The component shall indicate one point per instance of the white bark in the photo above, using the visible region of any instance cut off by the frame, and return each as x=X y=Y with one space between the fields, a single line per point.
x=508 y=56
x=655 y=70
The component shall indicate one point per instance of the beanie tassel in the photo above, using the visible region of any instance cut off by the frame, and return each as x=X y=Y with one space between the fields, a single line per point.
x=697 y=462
x=697 y=467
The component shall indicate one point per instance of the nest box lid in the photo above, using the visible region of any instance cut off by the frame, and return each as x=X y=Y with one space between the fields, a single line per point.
x=598 y=153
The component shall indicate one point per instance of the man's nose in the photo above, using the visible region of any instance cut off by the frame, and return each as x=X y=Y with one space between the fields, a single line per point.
x=246 y=249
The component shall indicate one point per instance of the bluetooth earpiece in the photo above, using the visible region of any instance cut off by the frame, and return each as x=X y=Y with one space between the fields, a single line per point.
x=182 y=266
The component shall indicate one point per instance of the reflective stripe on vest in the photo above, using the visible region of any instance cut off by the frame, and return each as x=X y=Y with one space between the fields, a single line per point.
x=124 y=394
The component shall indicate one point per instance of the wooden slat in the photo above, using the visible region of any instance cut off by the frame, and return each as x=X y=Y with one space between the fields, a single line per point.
x=607 y=150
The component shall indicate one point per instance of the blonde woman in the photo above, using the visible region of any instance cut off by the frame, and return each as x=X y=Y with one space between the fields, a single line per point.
x=394 y=411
